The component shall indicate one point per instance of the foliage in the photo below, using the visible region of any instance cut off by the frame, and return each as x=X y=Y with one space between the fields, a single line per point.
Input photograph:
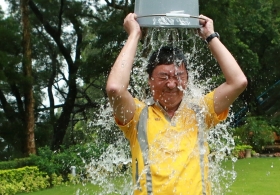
x=239 y=151
x=26 y=179
x=58 y=78
x=16 y=163
x=60 y=162
x=250 y=29
x=275 y=121
x=256 y=132
x=56 y=180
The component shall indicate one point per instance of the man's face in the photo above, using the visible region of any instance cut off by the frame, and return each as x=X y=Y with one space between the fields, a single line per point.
x=167 y=84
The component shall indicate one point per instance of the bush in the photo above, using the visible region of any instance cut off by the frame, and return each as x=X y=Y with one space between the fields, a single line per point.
x=56 y=180
x=257 y=132
x=26 y=179
x=60 y=162
x=17 y=163
x=240 y=151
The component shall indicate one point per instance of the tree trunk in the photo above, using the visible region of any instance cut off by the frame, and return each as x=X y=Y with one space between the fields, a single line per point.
x=27 y=70
x=60 y=126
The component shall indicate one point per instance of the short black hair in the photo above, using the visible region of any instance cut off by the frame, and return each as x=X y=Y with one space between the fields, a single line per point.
x=165 y=55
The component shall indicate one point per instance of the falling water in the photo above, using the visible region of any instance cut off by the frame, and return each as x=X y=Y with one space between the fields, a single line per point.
x=169 y=21
x=112 y=170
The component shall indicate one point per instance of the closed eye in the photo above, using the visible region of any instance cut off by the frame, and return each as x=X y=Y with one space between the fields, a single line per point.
x=163 y=76
x=181 y=76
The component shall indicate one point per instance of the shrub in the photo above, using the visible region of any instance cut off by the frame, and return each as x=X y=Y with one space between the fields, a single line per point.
x=240 y=150
x=56 y=180
x=26 y=179
x=60 y=162
x=16 y=163
x=257 y=132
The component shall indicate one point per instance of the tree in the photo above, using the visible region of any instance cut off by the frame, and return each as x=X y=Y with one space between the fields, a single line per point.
x=250 y=29
x=54 y=68
x=12 y=129
x=48 y=24
x=27 y=70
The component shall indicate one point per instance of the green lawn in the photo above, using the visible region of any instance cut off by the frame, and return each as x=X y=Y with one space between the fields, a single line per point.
x=255 y=176
x=67 y=190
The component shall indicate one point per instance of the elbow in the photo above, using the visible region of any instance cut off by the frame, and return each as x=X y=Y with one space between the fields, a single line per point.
x=113 y=90
x=242 y=83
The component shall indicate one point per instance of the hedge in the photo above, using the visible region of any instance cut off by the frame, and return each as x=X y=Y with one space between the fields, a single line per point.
x=26 y=179
x=16 y=163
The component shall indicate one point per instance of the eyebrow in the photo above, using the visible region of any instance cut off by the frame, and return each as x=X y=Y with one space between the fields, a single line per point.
x=179 y=72
x=168 y=73
x=163 y=73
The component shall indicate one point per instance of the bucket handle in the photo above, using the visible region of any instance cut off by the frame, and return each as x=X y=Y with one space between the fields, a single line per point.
x=172 y=14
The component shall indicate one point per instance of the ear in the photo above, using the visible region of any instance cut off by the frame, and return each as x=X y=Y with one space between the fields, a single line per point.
x=150 y=81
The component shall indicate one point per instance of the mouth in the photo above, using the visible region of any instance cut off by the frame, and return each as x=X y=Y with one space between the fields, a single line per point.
x=171 y=92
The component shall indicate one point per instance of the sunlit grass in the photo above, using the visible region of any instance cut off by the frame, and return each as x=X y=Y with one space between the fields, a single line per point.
x=68 y=190
x=81 y=189
x=255 y=176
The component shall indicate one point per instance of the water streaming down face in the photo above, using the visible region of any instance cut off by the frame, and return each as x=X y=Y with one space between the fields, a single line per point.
x=112 y=170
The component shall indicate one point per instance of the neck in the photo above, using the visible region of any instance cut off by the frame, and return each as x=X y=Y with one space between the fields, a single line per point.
x=170 y=110
x=171 y=113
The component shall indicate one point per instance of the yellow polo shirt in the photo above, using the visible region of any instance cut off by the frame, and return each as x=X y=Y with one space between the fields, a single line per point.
x=169 y=156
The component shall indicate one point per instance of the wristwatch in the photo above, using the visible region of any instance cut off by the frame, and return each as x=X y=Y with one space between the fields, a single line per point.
x=210 y=37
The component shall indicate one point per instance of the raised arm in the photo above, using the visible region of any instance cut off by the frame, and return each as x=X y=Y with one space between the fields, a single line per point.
x=236 y=81
x=118 y=80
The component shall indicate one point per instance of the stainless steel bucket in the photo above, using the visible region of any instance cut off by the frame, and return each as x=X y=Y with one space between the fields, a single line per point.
x=167 y=13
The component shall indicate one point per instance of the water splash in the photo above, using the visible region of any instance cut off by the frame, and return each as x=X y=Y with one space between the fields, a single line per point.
x=167 y=21
x=114 y=163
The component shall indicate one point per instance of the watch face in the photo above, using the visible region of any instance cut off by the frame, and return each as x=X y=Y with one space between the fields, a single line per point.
x=217 y=35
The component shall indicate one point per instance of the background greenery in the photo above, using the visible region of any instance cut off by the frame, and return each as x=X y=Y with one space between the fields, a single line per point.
x=250 y=29
x=75 y=43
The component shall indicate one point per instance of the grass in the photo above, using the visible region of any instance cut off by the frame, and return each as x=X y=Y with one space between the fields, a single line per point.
x=67 y=190
x=255 y=176
x=81 y=189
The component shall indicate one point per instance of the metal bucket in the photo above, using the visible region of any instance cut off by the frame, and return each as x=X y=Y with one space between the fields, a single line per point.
x=167 y=13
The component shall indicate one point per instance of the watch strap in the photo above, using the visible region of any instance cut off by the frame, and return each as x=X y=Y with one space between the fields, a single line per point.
x=210 y=37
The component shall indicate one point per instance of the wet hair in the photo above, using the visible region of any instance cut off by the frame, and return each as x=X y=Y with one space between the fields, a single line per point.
x=165 y=55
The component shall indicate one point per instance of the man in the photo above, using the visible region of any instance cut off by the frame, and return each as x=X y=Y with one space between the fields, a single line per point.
x=168 y=156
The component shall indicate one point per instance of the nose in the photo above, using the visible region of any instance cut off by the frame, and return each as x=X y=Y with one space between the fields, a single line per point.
x=172 y=83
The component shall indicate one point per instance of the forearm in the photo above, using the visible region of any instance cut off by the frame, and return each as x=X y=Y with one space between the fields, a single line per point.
x=235 y=82
x=120 y=99
x=117 y=84
x=120 y=72
x=230 y=68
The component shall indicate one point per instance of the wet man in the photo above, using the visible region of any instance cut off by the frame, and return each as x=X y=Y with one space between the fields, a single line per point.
x=168 y=156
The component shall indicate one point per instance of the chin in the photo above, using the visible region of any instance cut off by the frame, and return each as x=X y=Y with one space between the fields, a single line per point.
x=170 y=102
x=169 y=99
